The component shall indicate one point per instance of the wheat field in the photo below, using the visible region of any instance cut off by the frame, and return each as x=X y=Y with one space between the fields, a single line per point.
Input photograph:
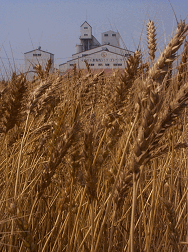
x=97 y=161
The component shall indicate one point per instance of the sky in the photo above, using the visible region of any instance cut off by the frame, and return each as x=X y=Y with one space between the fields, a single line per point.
x=55 y=25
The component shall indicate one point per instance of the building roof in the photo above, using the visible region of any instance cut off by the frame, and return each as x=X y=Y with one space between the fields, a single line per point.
x=84 y=23
x=95 y=39
x=38 y=50
x=92 y=54
x=104 y=46
x=110 y=31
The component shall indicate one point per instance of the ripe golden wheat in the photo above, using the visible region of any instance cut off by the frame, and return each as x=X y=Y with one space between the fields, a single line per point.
x=97 y=162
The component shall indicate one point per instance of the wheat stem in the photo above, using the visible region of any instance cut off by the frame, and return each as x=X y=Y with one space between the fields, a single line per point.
x=20 y=157
x=92 y=225
x=99 y=146
x=112 y=228
x=135 y=182
x=116 y=180
x=51 y=232
x=78 y=215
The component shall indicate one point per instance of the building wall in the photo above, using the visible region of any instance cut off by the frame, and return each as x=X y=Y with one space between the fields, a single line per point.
x=34 y=58
x=104 y=47
x=110 y=38
x=99 y=60
x=86 y=31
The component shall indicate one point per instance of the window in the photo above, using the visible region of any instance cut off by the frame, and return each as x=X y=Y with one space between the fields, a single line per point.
x=85 y=27
x=106 y=35
x=100 y=64
x=107 y=64
x=83 y=55
x=127 y=54
x=71 y=64
x=85 y=34
x=91 y=64
x=35 y=54
x=113 y=35
x=115 y=64
x=119 y=64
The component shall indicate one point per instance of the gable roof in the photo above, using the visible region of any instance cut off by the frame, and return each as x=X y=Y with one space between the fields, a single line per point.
x=86 y=23
x=103 y=46
x=38 y=50
x=108 y=52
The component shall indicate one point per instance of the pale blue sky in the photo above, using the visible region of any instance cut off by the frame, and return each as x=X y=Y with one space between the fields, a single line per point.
x=55 y=25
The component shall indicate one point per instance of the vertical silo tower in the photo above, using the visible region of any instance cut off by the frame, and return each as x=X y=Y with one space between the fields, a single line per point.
x=86 y=36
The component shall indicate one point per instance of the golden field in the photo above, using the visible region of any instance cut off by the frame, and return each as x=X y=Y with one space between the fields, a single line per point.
x=97 y=161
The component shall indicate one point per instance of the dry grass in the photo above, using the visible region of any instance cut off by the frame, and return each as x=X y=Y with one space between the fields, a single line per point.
x=97 y=161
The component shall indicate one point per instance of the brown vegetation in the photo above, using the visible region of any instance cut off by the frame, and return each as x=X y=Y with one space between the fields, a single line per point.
x=97 y=162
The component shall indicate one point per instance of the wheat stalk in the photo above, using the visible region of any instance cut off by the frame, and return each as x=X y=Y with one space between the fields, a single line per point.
x=148 y=133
